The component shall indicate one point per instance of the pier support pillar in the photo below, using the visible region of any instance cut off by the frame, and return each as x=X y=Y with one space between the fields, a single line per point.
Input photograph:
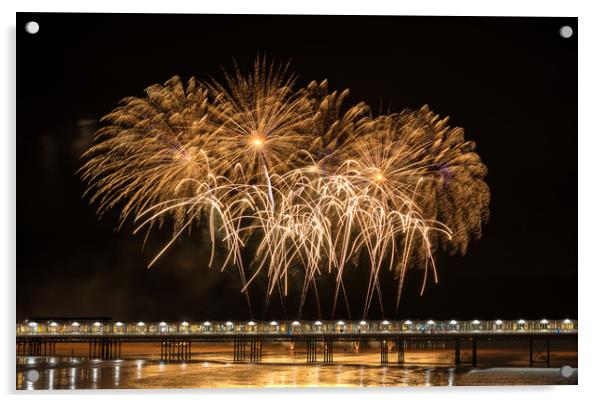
x=311 y=352
x=458 y=350
x=401 y=348
x=255 y=351
x=548 y=351
x=384 y=352
x=474 y=352
x=328 y=350
x=239 y=350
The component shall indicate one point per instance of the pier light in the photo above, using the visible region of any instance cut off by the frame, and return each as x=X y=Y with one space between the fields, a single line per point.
x=251 y=326
x=184 y=323
x=317 y=323
x=296 y=323
x=476 y=325
x=544 y=324
x=498 y=322
x=341 y=323
x=119 y=324
x=273 y=323
x=163 y=327
x=162 y=324
x=476 y=322
x=53 y=324
x=521 y=324
x=33 y=326
x=430 y=322
x=183 y=327
x=228 y=323
x=206 y=323
x=567 y=325
x=75 y=324
x=453 y=325
x=140 y=324
x=363 y=323
x=407 y=322
x=97 y=324
x=384 y=322
x=453 y=322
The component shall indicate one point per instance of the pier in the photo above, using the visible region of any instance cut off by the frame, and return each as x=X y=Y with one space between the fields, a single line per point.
x=317 y=338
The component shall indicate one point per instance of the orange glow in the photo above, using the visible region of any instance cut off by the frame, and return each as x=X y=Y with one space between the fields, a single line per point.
x=257 y=141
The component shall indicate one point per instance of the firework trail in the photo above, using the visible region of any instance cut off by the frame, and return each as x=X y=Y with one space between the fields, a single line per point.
x=317 y=184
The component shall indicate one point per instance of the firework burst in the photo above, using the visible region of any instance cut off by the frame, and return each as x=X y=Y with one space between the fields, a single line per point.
x=317 y=184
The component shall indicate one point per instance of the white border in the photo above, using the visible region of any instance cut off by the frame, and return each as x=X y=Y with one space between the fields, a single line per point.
x=590 y=160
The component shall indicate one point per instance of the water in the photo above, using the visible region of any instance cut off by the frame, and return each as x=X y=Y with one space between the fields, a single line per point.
x=211 y=367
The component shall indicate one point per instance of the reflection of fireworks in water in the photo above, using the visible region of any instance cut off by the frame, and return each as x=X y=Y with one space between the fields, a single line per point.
x=320 y=186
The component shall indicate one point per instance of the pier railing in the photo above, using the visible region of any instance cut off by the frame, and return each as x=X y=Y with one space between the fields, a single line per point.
x=407 y=327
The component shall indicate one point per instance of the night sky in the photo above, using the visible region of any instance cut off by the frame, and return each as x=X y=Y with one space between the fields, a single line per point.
x=510 y=82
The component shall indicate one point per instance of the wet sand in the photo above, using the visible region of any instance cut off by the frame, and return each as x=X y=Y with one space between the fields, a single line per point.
x=211 y=366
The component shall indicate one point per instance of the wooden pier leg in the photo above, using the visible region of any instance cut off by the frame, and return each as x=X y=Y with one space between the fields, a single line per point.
x=457 y=352
x=401 y=348
x=474 y=352
x=531 y=351
x=384 y=352
x=328 y=347
x=548 y=351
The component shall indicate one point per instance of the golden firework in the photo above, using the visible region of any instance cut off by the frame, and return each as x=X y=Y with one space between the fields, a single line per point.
x=317 y=184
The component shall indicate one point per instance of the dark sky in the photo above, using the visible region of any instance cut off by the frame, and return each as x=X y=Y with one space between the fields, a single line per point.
x=510 y=82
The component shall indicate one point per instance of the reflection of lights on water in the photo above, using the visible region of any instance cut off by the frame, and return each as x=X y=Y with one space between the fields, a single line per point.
x=50 y=379
x=427 y=377
x=451 y=378
x=95 y=372
x=139 y=365
x=383 y=376
x=362 y=375
x=72 y=377
x=116 y=374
